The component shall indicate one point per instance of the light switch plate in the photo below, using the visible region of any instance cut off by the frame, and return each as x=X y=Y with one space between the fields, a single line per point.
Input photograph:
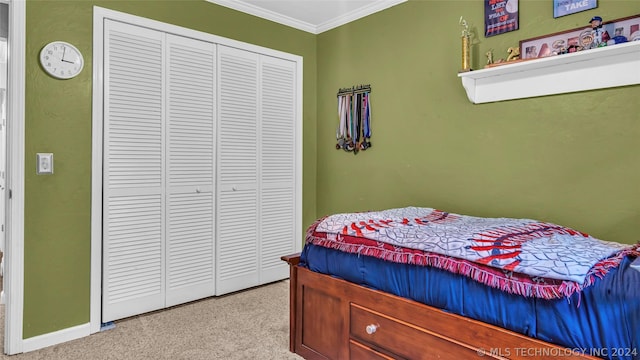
x=44 y=163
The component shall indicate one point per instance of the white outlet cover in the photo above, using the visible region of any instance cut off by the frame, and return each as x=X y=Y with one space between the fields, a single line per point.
x=44 y=163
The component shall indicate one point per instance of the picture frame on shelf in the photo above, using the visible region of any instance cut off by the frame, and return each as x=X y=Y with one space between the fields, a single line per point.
x=567 y=7
x=580 y=39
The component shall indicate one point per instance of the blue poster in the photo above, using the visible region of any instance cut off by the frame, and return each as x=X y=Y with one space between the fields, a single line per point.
x=500 y=16
x=566 y=7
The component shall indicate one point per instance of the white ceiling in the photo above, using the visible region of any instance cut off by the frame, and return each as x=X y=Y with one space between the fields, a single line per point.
x=314 y=16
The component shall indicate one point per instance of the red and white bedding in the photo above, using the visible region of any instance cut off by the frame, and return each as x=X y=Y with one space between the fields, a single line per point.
x=521 y=256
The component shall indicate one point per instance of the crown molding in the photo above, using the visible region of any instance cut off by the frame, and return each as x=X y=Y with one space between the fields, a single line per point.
x=356 y=14
x=265 y=14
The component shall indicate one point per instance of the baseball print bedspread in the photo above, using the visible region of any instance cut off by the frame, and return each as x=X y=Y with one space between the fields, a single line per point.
x=523 y=256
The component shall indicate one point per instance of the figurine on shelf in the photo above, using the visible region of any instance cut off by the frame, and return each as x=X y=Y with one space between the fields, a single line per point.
x=514 y=53
x=600 y=35
x=489 y=55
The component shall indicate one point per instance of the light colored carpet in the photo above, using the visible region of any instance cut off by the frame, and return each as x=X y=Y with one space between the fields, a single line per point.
x=250 y=324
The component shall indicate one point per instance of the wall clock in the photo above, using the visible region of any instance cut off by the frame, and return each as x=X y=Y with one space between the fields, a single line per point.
x=61 y=60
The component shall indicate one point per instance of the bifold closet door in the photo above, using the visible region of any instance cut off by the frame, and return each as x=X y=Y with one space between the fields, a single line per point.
x=256 y=208
x=237 y=186
x=278 y=234
x=159 y=161
x=190 y=163
x=134 y=171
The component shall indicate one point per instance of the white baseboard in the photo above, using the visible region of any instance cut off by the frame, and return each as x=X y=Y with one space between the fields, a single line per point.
x=56 y=337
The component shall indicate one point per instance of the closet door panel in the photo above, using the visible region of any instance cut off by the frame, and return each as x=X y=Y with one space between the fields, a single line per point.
x=190 y=97
x=133 y=176
x=238 y=148
x=277 y=166
x=237 y=241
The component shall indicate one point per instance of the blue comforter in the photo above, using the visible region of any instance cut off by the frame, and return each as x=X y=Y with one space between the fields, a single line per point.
x=603 y=320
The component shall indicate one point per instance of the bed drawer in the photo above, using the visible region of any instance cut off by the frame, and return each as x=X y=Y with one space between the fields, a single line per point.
x=358 y=351
x=398 y=338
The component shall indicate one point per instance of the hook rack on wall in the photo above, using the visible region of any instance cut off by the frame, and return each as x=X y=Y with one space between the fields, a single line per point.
x=354 y=114
x=354 y=90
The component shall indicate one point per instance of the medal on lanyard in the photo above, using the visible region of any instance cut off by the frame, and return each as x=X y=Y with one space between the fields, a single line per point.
x=342 y=123
x=366 y=133
x=351 y=134
x=358 y=123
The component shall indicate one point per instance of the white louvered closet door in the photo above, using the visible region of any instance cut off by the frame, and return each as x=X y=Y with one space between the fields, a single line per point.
x=278 y=233
x=199 y=168
x=190 y=169
x=133 y=175
x=237 y=171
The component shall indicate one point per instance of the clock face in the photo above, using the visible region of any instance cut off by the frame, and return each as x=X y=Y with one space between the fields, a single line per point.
x=61 y=60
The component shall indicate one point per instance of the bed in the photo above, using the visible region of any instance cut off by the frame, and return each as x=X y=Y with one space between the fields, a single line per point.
x=367 y=286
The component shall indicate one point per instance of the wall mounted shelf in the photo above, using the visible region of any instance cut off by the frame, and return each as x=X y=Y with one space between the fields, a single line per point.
x=610 y=66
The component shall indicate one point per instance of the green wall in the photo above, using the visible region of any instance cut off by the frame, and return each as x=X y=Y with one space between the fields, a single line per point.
x=570 y=159
x=58 y=119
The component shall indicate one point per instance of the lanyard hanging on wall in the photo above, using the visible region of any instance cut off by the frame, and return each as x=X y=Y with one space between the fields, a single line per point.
x=366 y=131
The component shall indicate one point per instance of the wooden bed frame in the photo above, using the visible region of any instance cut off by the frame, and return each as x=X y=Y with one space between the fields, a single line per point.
x=335 y=319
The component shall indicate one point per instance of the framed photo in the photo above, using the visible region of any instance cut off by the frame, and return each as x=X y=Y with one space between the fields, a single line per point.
x=566 y=7
x=611 y=33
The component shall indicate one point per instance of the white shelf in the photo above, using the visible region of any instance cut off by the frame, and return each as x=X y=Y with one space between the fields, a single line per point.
x=610 y=66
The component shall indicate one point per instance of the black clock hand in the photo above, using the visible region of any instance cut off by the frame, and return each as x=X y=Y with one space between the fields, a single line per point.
x=63 y=60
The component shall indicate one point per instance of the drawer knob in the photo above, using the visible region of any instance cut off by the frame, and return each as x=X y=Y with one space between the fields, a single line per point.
x=371 y=328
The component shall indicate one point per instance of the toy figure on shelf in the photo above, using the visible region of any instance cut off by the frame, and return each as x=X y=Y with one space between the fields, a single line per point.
x=489 y=55
x=600 y=35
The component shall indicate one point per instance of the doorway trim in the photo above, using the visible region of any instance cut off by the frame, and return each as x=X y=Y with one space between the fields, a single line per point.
x=14 y=248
